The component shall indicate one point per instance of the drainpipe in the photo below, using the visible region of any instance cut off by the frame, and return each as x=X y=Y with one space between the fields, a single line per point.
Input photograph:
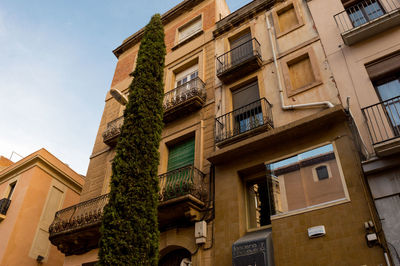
x=289 y=107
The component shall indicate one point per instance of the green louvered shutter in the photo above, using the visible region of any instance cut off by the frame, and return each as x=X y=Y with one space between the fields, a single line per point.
x=181 y=155
x=178 y=182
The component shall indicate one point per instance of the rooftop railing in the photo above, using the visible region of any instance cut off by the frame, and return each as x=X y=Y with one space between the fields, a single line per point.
x=185 y=92
x=244 y=119
x=383 y=120
x=238 y=55
x=364 y=12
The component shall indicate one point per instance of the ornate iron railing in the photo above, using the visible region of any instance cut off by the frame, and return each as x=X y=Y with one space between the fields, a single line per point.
x=244 y=119
x=184 y=92
x=383 y=120
x=364 y=12
x=4 y=205
x=182 y=181
x=238 y=55
x=85 y=213
x=113 y=129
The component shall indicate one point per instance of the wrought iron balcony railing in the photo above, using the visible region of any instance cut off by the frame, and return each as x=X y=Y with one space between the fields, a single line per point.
x=383 y=120
x=113 y=130
x=185 y=98
x=368 y=12
x=255 y=115
x=78 y=216
x=238 y=55
x=4 y=205
x=182 y=181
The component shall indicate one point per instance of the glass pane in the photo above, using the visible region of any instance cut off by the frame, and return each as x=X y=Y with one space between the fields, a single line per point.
x=388 y=91
x=356 y=16
x=295 y=186
x=322 y=172
x=373 y=10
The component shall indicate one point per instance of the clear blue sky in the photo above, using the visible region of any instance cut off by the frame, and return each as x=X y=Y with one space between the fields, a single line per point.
x=56 y=65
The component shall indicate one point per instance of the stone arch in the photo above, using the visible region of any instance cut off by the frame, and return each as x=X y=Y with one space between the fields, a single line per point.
x=174 y=255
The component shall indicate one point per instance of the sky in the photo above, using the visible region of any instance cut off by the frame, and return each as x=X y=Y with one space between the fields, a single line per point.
x=56 y=66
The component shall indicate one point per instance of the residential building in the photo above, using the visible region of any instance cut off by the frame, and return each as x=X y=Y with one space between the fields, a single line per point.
x=258 y=162
x=31 y=191
x=187 y=140
x=362 y=43
x=279 y=119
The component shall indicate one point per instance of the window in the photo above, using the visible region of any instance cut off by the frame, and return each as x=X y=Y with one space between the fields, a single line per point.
x=292 y=184
x=241 y=48
x=322 y=172
x=287 y=18
x=11 y=190
x=301 y=71
x=364 y=12
x=186 y=75
x=247 y=108
x=181 y=154
x=189 y=29
x=179 y=178
x=389 y=93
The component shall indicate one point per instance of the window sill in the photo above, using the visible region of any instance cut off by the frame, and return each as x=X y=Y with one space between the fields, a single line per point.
x=185 y=41
x=259 y=228
x=291 y=92
x=311 y=208
x=297 y=26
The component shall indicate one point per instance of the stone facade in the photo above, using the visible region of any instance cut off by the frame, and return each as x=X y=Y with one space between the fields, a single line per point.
x=271 y=96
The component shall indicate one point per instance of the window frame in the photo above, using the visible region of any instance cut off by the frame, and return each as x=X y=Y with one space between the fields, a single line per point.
x=187 y=25
x=287 y=60
x=282 y=8
x=322 y=205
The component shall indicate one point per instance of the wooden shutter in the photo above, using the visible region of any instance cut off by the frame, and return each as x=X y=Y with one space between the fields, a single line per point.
x=181 y=155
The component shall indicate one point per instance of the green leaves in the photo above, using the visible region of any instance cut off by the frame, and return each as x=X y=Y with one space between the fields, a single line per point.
x=129 y=230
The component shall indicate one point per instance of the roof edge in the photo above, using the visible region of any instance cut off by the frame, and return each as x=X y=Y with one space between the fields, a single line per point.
x=165 y=18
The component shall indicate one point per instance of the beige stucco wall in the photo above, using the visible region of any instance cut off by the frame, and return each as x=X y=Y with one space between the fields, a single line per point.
x=294 y=43
x=35 y=176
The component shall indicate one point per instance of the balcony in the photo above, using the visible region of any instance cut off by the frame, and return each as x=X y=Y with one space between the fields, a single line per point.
x=245 y=121
x=239 y=61
x=75 y=230
x=367 y=18
x=182 y=190
x=184 y=99
x=111 y=134
x=4 y=205
x=383 y=120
